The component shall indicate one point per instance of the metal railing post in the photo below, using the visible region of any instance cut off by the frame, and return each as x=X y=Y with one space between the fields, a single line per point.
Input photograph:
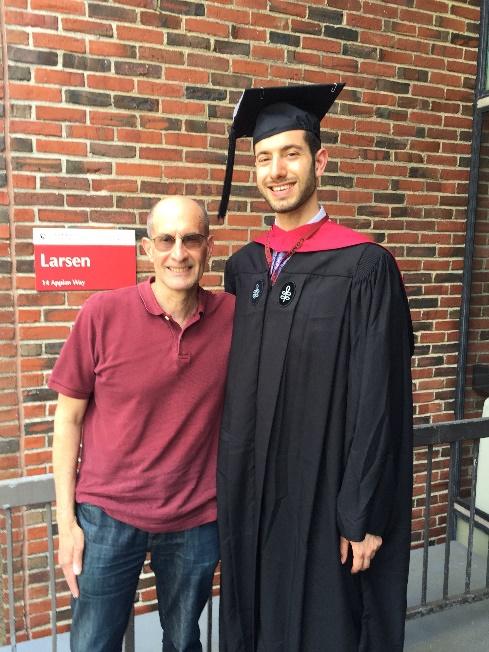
x=10 y=574
x=209 y=624
x=470 y=540
x=129 y=644
x=426 y=530
x=52 y=577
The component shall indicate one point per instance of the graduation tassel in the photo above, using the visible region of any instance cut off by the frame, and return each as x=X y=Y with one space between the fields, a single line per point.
x=228 y=177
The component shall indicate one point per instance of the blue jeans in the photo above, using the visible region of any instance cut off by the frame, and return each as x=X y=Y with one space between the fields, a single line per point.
x=183 y=564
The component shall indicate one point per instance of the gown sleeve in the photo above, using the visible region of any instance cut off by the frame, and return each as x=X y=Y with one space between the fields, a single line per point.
x=229 y=283
x=377 y=474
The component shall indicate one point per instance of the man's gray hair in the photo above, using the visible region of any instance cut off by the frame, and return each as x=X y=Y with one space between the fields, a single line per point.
x=204 y=218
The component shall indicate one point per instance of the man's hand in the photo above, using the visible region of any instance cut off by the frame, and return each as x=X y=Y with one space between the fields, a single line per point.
x=363 y=551
x=70 y=554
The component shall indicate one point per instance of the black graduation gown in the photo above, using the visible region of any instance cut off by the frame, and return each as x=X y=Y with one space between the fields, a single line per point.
x=316 y=441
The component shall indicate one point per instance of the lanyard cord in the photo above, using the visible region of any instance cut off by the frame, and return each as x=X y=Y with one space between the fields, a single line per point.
x=268 y=252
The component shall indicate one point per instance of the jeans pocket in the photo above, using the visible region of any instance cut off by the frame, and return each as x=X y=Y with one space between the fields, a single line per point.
x=98 y=527
x=88 y=517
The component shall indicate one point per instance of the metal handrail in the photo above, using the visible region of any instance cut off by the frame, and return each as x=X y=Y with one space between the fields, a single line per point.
x=439 y=434
x=29 y=492
x=447 y=432
x=38 y=491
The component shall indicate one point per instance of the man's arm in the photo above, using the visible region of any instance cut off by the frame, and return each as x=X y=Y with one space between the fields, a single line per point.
x=378 y=435
x=68 y=421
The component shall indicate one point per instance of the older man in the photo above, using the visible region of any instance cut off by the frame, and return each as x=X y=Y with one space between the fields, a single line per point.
x=133 y=381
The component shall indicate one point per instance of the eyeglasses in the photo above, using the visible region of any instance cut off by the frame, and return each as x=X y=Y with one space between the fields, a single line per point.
x=191 y=241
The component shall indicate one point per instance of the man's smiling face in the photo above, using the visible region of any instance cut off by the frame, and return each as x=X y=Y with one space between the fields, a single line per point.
x=179 y=269
x=285 y=171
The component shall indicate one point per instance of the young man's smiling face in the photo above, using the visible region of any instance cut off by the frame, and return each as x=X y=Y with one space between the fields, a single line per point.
x=287 y=172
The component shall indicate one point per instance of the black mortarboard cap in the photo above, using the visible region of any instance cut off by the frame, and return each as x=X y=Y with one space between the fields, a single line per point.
x=264 y=112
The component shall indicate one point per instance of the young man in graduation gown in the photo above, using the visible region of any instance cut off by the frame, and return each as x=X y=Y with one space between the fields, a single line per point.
x=315 y=460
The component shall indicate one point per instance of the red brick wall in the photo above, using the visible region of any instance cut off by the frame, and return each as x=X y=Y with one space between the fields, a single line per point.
x=115 y=103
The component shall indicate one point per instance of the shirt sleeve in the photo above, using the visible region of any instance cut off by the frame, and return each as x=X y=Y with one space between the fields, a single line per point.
x=74 y=371
x=378 y=441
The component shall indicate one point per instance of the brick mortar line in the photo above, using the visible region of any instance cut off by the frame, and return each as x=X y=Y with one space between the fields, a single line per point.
x=13 y=257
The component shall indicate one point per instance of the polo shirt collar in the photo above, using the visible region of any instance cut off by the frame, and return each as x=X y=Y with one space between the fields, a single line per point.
x=153 y=307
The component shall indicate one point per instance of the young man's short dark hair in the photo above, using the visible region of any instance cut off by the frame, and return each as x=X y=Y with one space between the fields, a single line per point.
x=313 y=142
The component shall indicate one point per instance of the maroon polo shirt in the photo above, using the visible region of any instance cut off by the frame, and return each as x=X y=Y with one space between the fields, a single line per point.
x=155 y=394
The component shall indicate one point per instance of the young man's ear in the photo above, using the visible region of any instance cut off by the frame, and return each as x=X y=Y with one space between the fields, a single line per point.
x=321 y=161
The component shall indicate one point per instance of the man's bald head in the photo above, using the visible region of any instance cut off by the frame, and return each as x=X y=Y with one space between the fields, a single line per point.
x=176 y=203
